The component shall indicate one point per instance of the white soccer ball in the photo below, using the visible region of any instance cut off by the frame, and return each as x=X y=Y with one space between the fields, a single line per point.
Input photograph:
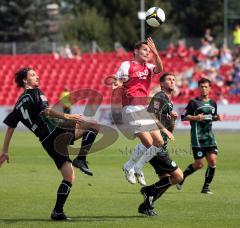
x=155 y=16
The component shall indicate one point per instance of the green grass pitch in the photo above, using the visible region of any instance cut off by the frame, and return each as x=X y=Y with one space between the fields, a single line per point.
x=29 y=182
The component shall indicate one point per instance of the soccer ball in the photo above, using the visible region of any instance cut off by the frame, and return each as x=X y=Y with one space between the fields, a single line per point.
x=155 y=16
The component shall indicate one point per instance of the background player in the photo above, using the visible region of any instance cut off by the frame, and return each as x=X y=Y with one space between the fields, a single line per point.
x=167 y=170
x=201 y=111
x=33 y=111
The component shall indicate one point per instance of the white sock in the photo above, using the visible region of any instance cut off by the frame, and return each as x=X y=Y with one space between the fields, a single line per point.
x=146 y=157
x=138 y=151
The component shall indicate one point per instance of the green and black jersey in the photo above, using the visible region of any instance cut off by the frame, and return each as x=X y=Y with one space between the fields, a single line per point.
x=162 y=107
x=201 y=132
x=29 y=110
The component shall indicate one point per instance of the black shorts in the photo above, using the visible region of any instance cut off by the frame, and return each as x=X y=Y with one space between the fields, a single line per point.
x=163 y=164
x=56 y=146
x=200 y=152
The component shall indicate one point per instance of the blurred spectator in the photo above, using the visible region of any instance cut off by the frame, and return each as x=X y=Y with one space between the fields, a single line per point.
x=76 y=52
x=206 y=47
x=225 y=56
x=208 y=36
x=181 y=49
x=66 y=52
x=234 y=89
x=236 y=37
x=66 y=100
x=215 y=62
x=236 y=70
x=222 y=99
x=171 y=50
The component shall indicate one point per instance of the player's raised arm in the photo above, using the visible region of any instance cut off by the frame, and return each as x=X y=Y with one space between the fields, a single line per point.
x=8 y=136
x=159 y=66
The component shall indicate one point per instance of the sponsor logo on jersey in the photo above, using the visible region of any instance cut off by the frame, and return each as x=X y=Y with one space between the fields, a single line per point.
x=142 y=74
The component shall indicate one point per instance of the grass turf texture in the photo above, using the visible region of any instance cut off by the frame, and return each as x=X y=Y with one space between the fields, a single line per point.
x=28 y=186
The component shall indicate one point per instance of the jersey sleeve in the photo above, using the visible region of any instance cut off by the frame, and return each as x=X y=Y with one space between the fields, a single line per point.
x=12 y=119
x=123 y=71
x=189 y=110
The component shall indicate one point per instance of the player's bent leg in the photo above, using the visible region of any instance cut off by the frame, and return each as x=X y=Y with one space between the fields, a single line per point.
x=154 y=149
x=129 y=166
x=198 y=164
x=63 y=191
x=157 y=141
x=88 y=131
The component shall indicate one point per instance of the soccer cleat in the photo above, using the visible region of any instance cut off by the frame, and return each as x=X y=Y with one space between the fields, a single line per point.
x=140 y=178
x=179 y=185
x=129 y=175
x=143 y=209
x=82 y=165
x=59 y=216
x=206 y=190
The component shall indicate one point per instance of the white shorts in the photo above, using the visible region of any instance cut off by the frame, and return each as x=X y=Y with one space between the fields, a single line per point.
x=138 y=119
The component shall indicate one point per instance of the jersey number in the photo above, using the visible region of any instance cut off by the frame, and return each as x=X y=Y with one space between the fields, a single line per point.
x=26 y=115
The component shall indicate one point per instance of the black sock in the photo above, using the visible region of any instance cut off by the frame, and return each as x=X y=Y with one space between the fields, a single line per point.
x=87 y=141
x=209 y=176
x=159 y=188
x=62 y=195
x=188 y=171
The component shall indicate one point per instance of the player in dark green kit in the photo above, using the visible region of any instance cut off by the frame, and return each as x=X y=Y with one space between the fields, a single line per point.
x=167 y=170
x=201 y=112
x=33 y=111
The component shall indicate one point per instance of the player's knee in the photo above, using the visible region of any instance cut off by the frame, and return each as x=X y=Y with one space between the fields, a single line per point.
x=158 y=142
x=198 y=165
x=147 y=143
x=212 y=163
x=94 y=126
x=179 y=176
x=70 y=178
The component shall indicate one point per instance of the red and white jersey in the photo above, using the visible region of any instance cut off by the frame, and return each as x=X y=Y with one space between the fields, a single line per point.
x=137 y=79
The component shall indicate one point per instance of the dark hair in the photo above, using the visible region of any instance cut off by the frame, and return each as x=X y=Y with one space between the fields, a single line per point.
x=139 y=44
x=20 y=75
x=204 y=80
x=163 y=77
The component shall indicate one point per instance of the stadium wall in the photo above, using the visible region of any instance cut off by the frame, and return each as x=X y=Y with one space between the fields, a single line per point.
x=231 y=114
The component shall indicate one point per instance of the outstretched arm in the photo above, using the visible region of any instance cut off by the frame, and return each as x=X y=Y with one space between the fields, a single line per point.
x=49 y=112
x=158 y=61
x=8 y=136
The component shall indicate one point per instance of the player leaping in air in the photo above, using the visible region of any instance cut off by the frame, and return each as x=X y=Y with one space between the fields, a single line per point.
x=135 y=78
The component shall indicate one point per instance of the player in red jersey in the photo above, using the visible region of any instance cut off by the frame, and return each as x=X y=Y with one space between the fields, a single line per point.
x=135 y=78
